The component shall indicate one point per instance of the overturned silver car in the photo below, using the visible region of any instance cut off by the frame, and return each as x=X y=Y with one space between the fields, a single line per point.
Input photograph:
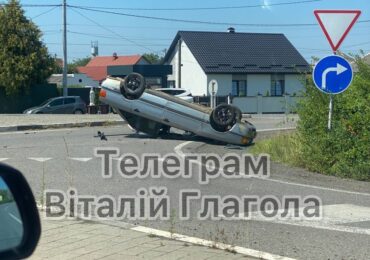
x=154 y=112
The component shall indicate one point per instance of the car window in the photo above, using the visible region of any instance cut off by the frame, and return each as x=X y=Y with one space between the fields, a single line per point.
x=57 y=102
x=178 y=91
x=45 y=102
x=167 y=91
x=69 y=101
x=173 y=92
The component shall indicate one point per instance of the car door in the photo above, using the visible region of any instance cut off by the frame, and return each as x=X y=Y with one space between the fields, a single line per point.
x=69 y=105
x=55 y=106
x=149 y=106
x=183 y=117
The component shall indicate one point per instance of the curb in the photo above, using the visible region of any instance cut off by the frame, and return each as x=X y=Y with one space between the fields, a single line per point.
x=59 y=126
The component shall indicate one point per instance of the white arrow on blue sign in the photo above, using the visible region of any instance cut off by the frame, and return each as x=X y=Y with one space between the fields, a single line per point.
x=333 y=74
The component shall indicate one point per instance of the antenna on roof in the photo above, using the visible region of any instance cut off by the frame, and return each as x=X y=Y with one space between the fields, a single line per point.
x=94 y=49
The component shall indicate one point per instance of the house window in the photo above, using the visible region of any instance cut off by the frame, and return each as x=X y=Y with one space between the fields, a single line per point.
x=277 y=85
x=239 y=88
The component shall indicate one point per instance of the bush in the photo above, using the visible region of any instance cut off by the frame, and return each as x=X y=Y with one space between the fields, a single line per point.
x=345 y=149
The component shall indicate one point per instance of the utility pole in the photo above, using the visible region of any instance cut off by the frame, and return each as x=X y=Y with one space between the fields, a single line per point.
x=179 y=64
x=65 y=63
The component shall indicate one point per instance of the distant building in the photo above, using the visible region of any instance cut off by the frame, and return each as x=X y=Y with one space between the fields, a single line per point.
x=96 y=69
x=80 y=79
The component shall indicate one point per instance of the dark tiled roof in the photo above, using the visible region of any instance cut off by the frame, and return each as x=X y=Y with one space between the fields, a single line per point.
x=222 y=52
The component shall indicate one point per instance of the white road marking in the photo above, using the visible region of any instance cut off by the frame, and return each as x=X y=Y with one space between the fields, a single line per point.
x=80 y=159
x=178 y=148
x=316 y=187
x=335 y=218
x=208 y=243
x=40 y=159
x=15 y=218
x=3 y=159
x=179 y=152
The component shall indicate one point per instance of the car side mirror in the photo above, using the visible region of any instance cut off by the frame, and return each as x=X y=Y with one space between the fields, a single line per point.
x=20 y=226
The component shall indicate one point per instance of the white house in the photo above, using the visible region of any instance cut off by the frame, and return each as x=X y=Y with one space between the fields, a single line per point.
x=73 y=80
x=244 y=64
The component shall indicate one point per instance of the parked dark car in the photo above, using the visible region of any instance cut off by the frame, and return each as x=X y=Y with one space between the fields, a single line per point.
x=60 y=105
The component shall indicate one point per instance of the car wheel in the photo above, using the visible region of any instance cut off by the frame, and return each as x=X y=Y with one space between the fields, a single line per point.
x=238 y=114
x=78 y=112
x=224 y=115
x=133 y=86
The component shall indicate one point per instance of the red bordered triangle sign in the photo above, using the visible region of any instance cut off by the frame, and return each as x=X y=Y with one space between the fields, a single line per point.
x=336 y=24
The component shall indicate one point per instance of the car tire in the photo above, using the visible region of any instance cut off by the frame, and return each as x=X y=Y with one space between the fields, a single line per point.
x=78 y=112
x=133 y=86
x=224 y=115
x=238 y=114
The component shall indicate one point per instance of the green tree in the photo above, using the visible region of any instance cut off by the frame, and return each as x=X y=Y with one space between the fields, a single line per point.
x=153 y=58
x=72 y=67
x=24 y=59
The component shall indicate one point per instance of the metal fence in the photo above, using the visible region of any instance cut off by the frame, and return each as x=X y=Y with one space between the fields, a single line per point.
x=35 y=96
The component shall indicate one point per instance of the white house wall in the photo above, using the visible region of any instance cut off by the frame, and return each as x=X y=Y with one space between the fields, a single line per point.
x=294 y=84
x=193 y=77
x=81 y=79
x=173 y=61
x=258 y=83
x=192 y=74
x=224 y=83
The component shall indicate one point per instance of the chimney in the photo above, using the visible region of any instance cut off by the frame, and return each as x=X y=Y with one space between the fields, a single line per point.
x=231 y=30
x=115 y=56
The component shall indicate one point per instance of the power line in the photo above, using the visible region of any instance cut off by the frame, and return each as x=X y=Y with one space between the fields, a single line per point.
x=201 y=8
x=358 y=44
x=113 y=32
x=46 y=12
x=103 y=44
x=118 y=38
x=198 y=21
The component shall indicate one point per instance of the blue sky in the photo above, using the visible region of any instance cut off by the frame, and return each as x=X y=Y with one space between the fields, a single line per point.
x=144 y=35
x=3 y=185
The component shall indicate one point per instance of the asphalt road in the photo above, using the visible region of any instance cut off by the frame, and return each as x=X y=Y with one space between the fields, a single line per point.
x=61 y=159
x=11 y=230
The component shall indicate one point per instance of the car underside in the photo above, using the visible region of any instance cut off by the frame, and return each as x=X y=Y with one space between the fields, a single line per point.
x=154 y=112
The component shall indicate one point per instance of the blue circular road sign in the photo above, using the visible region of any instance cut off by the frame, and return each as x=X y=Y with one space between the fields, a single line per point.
x=332 y=74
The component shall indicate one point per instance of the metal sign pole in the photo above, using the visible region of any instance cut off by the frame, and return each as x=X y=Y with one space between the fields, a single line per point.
x=212 y=90
x=330 y=106
x=212 y=99
x=330 y=111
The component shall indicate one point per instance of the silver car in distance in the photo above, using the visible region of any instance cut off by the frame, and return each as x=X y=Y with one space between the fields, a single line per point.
x=154 y=112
